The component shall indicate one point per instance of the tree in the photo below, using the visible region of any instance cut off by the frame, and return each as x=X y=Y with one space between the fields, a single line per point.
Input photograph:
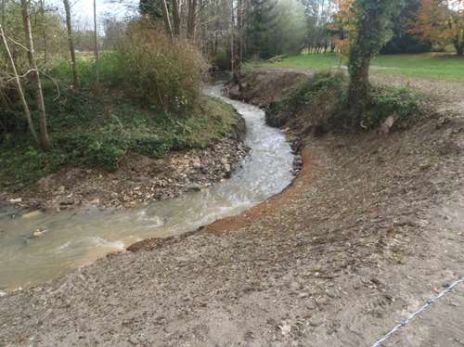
x=44 y=140
x=72 y=51
x=261 y=23
x=95 y=30
x=19 y=87
x=176 y=17
x=318 y=14
x=191 y=19
x=370 y=30
x=440 y=22
x=166 y=17
x=403 y=41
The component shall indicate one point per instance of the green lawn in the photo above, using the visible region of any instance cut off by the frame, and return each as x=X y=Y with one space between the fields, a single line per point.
x=428 y=66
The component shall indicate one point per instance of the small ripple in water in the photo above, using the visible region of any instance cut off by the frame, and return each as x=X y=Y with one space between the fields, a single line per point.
x=77 y=238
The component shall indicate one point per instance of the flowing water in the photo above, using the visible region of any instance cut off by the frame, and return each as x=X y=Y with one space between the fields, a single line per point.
x=75 y=238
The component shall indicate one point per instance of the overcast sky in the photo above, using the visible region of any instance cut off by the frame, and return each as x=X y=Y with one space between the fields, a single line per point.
x=82 y=10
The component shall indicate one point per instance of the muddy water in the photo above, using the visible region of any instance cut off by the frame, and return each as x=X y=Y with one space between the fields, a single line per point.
x=77 y=238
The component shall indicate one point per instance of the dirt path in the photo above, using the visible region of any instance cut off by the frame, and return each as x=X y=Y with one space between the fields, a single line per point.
x=376 y=231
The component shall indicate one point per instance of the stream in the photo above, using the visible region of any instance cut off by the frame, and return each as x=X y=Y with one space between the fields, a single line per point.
x=76 y=238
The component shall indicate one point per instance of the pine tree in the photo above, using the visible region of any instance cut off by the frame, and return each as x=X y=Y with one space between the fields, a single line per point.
x=261 y=26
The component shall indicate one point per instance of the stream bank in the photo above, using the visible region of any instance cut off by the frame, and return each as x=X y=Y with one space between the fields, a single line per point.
x=138 y=180
x=372 y=233
x=36 y=247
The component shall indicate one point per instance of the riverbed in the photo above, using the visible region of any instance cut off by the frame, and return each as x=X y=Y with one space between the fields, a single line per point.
x=69 y=239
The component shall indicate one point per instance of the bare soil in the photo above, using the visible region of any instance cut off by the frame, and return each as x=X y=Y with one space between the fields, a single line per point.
x=371 y=229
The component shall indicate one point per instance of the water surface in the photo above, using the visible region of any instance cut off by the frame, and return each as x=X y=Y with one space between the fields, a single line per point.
x=75 y=238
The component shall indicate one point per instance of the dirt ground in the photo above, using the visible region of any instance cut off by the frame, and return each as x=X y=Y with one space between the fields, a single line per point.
x=367 y=235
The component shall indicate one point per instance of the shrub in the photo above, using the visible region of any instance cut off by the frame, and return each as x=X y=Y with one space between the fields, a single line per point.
x=221 y=60
x=321 y=101
x=316 y=100
x=386 y=101
x=157 y=70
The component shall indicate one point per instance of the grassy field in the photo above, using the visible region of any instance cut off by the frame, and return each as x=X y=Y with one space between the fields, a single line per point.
x=427 y=66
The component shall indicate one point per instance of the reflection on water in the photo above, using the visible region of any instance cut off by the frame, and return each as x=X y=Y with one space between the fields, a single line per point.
x=76 y=238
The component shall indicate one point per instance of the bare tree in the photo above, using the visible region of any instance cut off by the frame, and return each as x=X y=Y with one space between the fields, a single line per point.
x=191 y=19
x=167 y=20
x=44 y=140
x=232 y=38
x=22 y=98
x=176 y=17
x=3 y=11
x=43 y=29
x=72 y=51
x=96 y=37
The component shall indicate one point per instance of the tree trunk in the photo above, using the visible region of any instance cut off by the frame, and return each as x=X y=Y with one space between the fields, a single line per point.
x=240 y=30
x=459 y=46
x=191 y=19
x=3 y=11
x=95 y=28
x=44 y=30
x=167 y=21
x=232 y=38
x=44 y=140
x=26 y=109
x=358 y=90
x=72 y=51
x=176 y=17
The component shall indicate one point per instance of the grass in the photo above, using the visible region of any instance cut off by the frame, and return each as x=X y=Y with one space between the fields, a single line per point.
x=433 y=66
x=99 y=125
x=95 y=133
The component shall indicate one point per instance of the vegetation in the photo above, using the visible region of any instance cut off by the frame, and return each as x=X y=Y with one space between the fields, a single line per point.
x=319 y=104
x=403 y=40
x=59 y=106
x=428 y=66
x=440 y=22
x=97 y=130
x=142 y=97
x=370 y=30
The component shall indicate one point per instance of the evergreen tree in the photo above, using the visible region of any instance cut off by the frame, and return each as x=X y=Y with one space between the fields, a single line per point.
x=261 y=26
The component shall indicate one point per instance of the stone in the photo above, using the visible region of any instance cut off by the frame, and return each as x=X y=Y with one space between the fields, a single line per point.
x=193 y=188
x=39 y=232
x=32 y=214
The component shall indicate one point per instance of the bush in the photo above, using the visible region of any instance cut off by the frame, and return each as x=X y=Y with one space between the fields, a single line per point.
x=320 y=102
x=315 y=100
x=386 y=101
x=221 y=60
x=157 y=70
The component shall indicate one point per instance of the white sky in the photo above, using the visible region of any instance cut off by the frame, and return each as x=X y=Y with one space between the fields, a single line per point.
x=82 y=10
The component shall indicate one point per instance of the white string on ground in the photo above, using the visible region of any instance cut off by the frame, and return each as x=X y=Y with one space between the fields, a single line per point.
x=414 y=315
